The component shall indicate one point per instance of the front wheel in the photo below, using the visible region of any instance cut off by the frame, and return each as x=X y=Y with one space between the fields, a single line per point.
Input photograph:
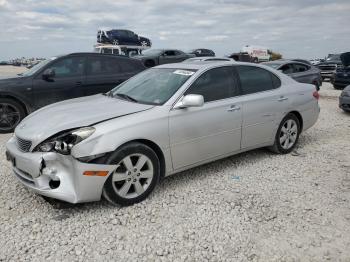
x=136 y=175
x=287 y=135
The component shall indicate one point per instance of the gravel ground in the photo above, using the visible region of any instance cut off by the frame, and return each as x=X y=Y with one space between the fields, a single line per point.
x=255 y=206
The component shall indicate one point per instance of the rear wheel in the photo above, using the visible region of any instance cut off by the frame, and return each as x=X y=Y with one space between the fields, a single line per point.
x=287 y=135
x=11 y=114
x=136 y=175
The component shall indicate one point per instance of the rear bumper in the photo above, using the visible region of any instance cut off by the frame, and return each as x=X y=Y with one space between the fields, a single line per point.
x=42 y=172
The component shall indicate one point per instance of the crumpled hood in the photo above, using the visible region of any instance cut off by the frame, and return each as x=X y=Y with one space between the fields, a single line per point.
x=345 y=58
x=73 y=113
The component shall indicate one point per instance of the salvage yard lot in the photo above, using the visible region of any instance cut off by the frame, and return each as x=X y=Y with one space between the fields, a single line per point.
x=254 y=206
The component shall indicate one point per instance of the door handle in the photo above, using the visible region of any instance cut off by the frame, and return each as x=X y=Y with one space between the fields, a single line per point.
x=78 y=83
x=282 y=98
x=234 y=108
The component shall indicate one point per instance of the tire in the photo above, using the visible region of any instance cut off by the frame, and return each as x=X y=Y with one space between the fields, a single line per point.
x=338 y=87
x=123 y=186
x=11 y=114
x=290 y=133
x=149 y=63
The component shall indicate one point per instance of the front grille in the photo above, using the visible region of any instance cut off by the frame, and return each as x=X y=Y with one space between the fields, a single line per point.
x=327 y=67
x=23 y=145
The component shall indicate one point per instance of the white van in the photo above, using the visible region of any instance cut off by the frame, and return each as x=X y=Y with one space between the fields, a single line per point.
x=257 y=53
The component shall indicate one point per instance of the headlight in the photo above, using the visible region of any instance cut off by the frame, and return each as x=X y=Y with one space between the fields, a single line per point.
x=63 y=143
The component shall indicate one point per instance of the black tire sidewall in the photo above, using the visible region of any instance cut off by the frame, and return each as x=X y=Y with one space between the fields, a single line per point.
x=280 y=149
x=20 y=108
x=116 y=157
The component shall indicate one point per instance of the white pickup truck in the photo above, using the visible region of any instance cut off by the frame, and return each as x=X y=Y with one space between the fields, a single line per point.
x=257 y=53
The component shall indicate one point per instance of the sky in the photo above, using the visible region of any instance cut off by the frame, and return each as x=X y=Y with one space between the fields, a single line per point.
x=296 y=29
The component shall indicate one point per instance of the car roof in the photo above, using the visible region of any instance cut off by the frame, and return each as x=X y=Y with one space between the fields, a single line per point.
x=204 y=64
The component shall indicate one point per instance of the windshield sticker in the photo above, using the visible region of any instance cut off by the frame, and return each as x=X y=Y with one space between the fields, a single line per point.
x=183 y=72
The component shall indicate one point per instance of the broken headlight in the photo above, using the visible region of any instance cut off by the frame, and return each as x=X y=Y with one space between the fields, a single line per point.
x=63 y=143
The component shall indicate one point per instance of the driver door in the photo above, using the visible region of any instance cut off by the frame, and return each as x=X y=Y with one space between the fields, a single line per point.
x=67 y=83
x=199 y=134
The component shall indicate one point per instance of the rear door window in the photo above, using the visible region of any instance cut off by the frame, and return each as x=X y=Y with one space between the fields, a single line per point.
x=103 y=66
x=215 y=84
x=255 y=79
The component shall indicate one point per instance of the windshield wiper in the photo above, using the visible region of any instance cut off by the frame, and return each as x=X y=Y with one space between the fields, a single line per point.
x=127 y=97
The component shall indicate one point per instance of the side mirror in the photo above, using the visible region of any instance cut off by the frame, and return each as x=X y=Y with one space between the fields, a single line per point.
x=190 y=101
x=48 y=74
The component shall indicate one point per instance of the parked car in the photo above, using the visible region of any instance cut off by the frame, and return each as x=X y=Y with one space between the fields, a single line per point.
x=301 y=72
x=122 y=37
x=61 y=78
x=344 y=99
x=206 y=59
x=162 y=121
x=341 y=77
x=155 y=57
x=200 y=52
x=329 y=66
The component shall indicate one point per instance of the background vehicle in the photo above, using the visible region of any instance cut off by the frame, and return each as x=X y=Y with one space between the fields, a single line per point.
x=162 y=121
x=155 y=57
x=206 y=58
x=202 y=52
x=341 y=77
x=301 y=60
x=242 y=57
x=300 y=72
x=329 y=66
x=344 y=99
x=122 y=37
x=61 y=78
x=257 y=53
x=117 y=50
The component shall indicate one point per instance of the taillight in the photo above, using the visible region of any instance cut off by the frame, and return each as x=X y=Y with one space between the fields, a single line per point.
x=316 y=95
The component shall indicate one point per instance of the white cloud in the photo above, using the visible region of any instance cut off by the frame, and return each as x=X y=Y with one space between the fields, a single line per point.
x=222 y=25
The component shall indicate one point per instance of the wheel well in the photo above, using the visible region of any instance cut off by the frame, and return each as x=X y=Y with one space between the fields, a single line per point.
x=18 y=101
x=156 y=149
x=300 y=118
x=149 y=62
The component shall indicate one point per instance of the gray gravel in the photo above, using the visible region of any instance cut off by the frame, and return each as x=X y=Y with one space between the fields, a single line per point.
x=255 y=206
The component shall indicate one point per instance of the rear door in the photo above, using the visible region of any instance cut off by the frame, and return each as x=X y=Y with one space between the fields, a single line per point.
x=103 y=74
x=202 y=133
x=67 y=82
x=263 y=105
x=302 y=73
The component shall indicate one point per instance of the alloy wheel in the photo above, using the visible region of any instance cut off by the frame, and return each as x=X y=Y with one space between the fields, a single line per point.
x=10 y=116
x=288 y=134
x=133 y=176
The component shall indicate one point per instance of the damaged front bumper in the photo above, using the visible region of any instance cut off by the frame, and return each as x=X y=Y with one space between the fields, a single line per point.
x=58 y=176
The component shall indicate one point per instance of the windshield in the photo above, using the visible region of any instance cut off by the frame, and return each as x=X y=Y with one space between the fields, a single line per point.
x=152 y=52
x=333 y=58
x=37 y=67
x=154 y=86
x=275 y=66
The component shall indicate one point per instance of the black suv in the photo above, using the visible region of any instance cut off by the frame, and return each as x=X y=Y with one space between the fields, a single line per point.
x=122 y=37
x=61 y=78
x=329 y=66
x=341 y=77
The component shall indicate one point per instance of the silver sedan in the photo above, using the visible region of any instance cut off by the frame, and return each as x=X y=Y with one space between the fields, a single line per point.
x=162 y=121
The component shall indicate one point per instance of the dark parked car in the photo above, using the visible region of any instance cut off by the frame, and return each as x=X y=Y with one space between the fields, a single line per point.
x=122 y=37
x=329 y=66
x=155 y=57
x=61 y=78
x=202 y=52
x=303 y=73
x=341 y=77
x=344 y=99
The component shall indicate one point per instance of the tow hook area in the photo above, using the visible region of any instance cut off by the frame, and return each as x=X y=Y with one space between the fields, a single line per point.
x=54 y=181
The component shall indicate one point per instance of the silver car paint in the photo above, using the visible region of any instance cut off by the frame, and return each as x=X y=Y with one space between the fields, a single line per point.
x=186 y=137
